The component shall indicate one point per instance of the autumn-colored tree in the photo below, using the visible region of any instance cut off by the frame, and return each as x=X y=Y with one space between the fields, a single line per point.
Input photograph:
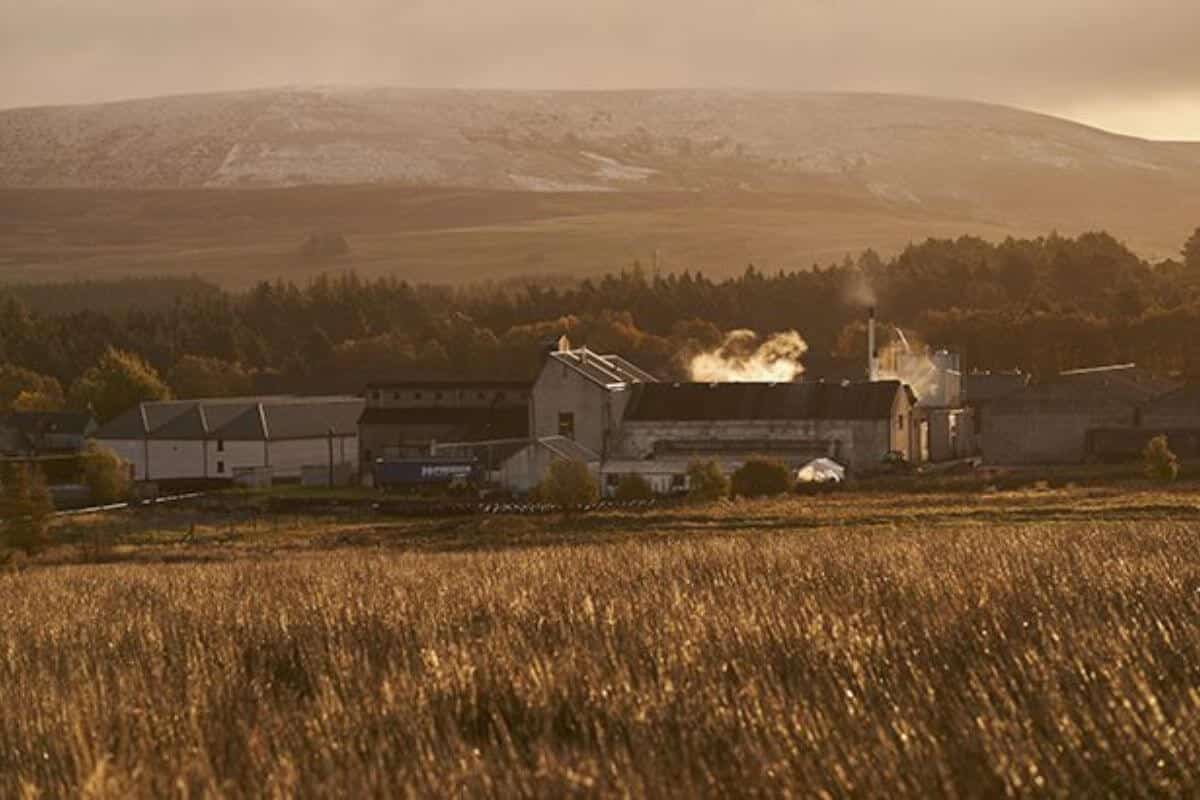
x=25 y=390
x=105 y=474
x=203 y=376
x=1191 y=252
x=760 y=477
x=1158 y=462
x=25 y=507
x=634 y=487
x=118 y=382
x=569 y=484
x=706 y=482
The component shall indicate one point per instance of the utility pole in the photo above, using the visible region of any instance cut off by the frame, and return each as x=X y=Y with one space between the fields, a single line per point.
x=331 y=457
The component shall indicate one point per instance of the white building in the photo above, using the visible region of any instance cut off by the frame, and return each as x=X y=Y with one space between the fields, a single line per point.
x=575 y=412
x=665 y=426
x=212 y=439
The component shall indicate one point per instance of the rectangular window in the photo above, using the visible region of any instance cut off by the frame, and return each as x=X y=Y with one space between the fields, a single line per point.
x=220 y=445
x=566 y=424
x=416 y=395
x=220 y=467
x=900 y=422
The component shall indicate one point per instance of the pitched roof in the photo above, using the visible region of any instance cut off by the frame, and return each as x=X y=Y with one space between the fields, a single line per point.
x=652 y=402
x=469 y=424
x=42 y=422
x=568 y=449
x=606 y=370
x=983 y=387
x=1184 y=400
x=442 y=384
x=1126 y=381
x=1061 y=397
x=238 y=418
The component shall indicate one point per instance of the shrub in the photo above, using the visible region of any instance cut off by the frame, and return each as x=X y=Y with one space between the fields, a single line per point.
x=569 y=484
x=706 y=482
x=761 y=477
x=1158 y=462
x=25 y=508
x=105 y=474
x=634 y=487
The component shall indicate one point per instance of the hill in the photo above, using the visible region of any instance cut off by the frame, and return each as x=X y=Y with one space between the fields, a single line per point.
x=465 y=184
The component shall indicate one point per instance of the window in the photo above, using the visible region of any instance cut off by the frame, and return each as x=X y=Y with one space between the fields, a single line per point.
x=482 y=396
x=220 y=445
x=566 y=424
x=437 y=395
x=499 y=395
x=220 y=467
x=900 y=422
x=416 y=395
x=395 y=395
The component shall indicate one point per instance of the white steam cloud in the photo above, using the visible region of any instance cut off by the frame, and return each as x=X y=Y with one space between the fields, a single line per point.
x=746 y=358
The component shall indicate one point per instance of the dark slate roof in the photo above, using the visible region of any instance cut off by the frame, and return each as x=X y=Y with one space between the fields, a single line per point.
x=1127 y=382
x=470 y=423
x=43 y=422
x=452 y=385
x=245 y=419
x=1060 y=397
x=1184 y=400
x=305 y=420
x=652 y=402
x=983 y=387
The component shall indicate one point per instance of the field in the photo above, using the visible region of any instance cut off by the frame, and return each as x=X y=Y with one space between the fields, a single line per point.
x=236 y=237
x=1038 y=642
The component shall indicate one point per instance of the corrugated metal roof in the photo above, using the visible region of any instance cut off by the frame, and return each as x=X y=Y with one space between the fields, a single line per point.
x=606 y=370
x=568 y=449
x=652 y=402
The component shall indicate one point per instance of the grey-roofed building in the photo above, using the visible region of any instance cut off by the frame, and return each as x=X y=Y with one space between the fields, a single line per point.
x=216 y=439
x=45 y=432
x=581 y=395
x=856 y=424
x=574 y=411
x=407 y=419
x=1054 y=422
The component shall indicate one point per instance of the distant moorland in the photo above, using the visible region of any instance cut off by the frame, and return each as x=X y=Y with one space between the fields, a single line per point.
x=470 y=185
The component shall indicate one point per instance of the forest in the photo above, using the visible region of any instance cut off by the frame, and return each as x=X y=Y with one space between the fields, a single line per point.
x=1039 y=305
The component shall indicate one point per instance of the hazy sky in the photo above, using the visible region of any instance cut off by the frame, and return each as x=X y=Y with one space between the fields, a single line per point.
x=1127 y=65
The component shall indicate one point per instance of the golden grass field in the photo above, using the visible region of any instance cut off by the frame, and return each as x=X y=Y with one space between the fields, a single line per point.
x=1038 y=643
x=235 y=238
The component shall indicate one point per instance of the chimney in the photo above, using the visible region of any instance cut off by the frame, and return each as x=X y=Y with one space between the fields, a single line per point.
x=872 y=354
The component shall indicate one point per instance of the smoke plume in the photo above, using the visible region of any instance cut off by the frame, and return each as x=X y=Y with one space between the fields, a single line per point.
x=858 y=290
x=745 y=358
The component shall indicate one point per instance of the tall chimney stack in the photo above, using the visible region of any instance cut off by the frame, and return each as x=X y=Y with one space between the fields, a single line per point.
x=872 y=355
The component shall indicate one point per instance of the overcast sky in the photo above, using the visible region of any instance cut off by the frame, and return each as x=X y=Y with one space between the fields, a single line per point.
x=1127 y=65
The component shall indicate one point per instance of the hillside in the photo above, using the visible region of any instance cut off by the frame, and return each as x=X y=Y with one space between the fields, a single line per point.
x=487 y=183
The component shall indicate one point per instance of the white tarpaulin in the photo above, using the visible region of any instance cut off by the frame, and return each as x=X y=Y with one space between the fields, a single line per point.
x=821 y=470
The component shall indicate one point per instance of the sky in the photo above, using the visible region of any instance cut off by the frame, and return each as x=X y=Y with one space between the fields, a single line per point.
x=1132 y=66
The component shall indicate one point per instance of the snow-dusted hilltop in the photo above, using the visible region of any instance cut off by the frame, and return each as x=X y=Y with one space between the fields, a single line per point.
x=929 y=156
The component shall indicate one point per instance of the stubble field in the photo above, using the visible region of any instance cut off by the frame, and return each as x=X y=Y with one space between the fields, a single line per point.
x=1019 y=644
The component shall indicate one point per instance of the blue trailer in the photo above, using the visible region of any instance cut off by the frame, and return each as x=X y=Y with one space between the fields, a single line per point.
x=413 y=472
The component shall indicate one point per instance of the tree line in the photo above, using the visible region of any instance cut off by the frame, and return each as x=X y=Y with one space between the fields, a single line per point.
x=1041 y=305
